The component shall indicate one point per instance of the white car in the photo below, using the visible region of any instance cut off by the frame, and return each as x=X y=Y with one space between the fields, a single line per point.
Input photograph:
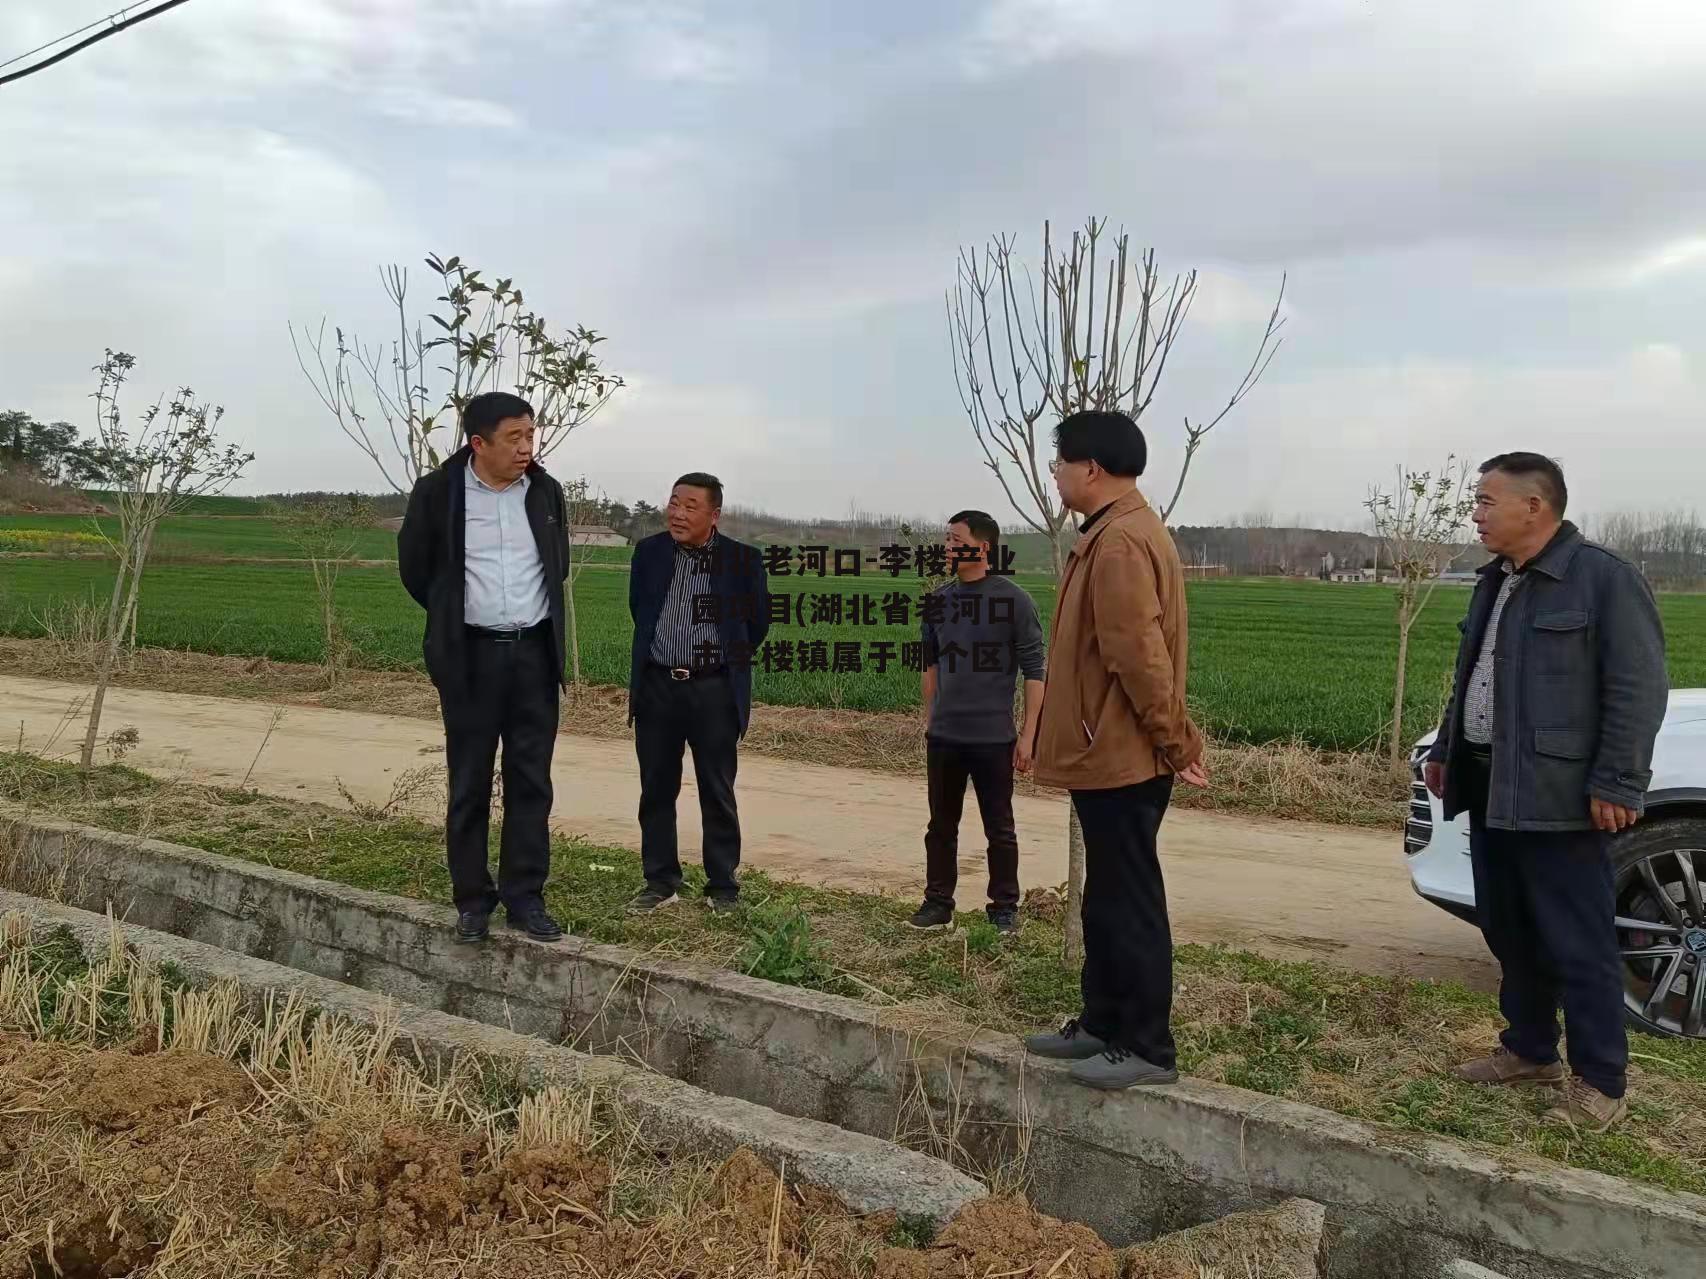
x=1660 y=866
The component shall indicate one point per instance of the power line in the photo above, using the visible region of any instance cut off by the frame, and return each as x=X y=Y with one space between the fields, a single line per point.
x=112 y=29
x=62 y=39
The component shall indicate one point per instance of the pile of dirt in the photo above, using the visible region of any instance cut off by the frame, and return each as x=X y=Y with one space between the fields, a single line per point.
x=118 y=1092
x=142 y=1162
x=1005 y=1237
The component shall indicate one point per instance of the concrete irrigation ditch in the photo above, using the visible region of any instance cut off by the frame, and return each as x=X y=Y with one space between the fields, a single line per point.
x=1132 y=1165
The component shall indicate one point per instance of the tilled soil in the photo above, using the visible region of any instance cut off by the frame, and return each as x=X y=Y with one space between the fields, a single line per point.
x=136 y=1163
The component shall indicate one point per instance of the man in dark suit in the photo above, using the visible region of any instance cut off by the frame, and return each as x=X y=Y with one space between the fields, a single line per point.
x=484 y=549
x=700 y=609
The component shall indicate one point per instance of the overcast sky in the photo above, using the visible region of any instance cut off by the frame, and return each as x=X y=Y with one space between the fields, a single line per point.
x=1493 y=216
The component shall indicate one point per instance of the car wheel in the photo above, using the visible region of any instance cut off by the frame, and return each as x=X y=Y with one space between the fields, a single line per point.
x=1661 y=925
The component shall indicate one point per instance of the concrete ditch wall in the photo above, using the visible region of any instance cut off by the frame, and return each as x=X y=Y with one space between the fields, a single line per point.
x=865 y=1174
x=1132 y=1165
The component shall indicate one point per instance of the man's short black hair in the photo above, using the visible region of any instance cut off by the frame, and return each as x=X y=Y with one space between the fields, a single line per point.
x=1106 y=437
x=982 y=525
x=1539 y=470
x=710 y=483
x=482 y=414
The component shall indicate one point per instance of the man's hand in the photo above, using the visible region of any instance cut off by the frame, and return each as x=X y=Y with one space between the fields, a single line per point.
x=1024 y=755
x=1433 y=777
x=1612 y=818
x=1195 y=775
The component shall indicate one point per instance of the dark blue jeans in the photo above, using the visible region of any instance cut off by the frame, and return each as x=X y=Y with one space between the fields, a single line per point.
x=1548 y=907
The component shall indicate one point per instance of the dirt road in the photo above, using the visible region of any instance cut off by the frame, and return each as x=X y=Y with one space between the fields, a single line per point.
x=1289 y=889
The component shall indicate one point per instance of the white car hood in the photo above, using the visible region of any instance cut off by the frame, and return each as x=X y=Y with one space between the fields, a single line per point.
x=1687 y=706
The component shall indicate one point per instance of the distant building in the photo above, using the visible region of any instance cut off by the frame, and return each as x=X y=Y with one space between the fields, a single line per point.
x=595 y=535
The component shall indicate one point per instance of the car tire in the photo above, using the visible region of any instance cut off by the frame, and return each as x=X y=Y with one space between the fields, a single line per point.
x=1661 y=844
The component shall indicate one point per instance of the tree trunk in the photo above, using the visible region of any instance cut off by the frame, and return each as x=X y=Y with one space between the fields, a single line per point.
x=104 y=666
x=1405 y=618
x=1072 y=937
x=574 y=631
x=326 y=586
x=134 y=604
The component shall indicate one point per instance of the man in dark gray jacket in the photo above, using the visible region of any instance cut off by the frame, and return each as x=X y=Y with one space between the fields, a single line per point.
x=980 y=633
x=1547 y=744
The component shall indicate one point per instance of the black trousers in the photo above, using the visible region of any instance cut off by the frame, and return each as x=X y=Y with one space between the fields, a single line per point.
x=510 y=697
x=989 y=768
x=671 y=715
x=1548 y=905
x=1128 y=940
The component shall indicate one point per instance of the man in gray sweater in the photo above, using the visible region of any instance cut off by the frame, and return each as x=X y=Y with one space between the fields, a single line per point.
x=981 y=631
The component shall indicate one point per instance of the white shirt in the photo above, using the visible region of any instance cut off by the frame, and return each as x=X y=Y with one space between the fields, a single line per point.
x=504 y=578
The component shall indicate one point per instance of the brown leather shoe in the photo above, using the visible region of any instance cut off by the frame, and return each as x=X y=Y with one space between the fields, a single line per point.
x=1505 y=1067
x=1586 y=1109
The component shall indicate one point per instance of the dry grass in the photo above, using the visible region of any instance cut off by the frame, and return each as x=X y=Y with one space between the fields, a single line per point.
x=155 y=1129
x=1293 y=781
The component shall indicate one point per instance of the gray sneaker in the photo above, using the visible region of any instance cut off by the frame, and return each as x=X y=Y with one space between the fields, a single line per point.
x=1119 y=1068
x=1070 y=1043
x=649 y=899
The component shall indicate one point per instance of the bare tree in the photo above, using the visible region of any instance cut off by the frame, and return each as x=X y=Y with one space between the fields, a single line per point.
x=326 y=530
x=1668 y=546
x=1418 y=522
x=1097 y=337
x=173 y=457
x=394 y=401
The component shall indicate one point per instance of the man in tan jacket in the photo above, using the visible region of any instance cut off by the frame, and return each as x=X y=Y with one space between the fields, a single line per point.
x=1115 y=733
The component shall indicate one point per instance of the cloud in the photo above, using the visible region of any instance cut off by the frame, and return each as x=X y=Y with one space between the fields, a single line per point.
x=1619 y=426
x=430 y=108
x=1239 y=302
x=682 y=43
x=655 y=430
x=1491 y=215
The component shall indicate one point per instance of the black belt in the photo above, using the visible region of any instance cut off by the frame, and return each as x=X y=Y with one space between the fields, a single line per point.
x=688 y=672
x=509 y=635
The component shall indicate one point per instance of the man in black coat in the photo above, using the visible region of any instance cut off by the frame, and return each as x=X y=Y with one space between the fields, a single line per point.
x=700 y=609
x=1547 y=744
x=484 y=549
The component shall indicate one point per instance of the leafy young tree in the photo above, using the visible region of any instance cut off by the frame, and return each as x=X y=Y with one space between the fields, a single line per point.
x=1098 y=337
x=172 y=457
x=1418 y=523
x=400 y=404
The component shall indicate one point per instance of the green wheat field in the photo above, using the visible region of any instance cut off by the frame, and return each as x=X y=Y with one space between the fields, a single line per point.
x=1271 y=659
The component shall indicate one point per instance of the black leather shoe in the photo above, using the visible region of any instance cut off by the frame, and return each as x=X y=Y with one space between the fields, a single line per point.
x=537 y=924
x=472 y=926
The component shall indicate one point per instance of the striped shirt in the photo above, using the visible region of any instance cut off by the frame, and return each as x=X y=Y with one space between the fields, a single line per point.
x=678 y=638
x=1478 y=697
